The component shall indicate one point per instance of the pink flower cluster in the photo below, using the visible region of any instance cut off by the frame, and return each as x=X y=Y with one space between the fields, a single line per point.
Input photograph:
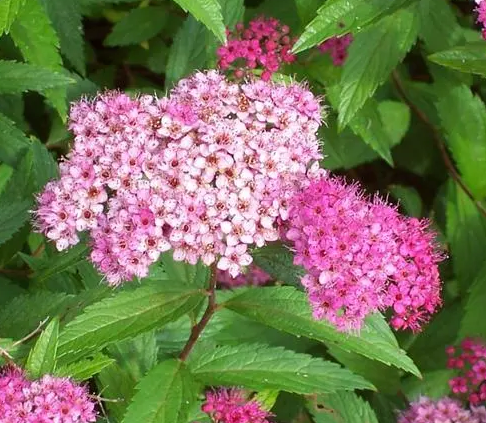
x=265 y=43
x=444 y=410
x=253 y=276
x=207 y=171
x=481 y=10
x=337 y=47
x=362 y=256
x=231 y=406
x=470 y=361
x=48 y=400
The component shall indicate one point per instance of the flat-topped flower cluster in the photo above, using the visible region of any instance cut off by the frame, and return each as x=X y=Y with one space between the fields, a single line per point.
x=206 y=171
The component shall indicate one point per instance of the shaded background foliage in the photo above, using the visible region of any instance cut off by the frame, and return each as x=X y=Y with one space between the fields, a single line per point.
x=405 y=117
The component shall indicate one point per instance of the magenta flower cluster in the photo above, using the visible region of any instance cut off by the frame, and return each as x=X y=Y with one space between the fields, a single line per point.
x=481 y=11
x=48 y=400
x=470 y=361
x=207 y=171
x=253 y=276
x=337 y=47
x=444 y=410
x=362 y=256
x=231 y=406
x=265 y=44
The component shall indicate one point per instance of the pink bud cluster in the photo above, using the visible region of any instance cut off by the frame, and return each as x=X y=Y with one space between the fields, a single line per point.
x=481 y=10
x=253 y=276
x=265 y=44
x=444 y=410
x=231 y=406
x=48 y=400
x=337 y=47
x=207 y=171
x=470 y=361
x=362 y=256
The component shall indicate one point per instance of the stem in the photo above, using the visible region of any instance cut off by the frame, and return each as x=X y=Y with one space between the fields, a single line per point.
x=199 y=327
x=439 y=142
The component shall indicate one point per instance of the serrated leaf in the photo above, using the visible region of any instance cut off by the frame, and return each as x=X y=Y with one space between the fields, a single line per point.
x=472 y=323
x=351 y=14
x=258 y=366
x=470 y=58
x=85 y=369
x=409 y=199
x=20 y=77
x=12 y=218
x=187 y=53
x=267 y=398
x=278 y=261
x=208 y=12
x=164 y=395
x=13 y=142
x=9 y=290
x=33 y=34
x=42 y=357
x=433 y=385
x=8 y=12
x=439 y=27
x=287 y=309
x=139 y=25
x=466 y=233
x=187 y=274
x=463 y=118
x=341 y=407
x=124 y=315
x=373 y=54
x=66 y=19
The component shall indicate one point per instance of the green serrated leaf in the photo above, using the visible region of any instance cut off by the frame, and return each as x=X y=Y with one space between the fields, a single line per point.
x=185 y=273
x=66 y=19
x=352 y=15
x=9 y=290
x=466 y=233
x=472 y=323
x=85 y=369
x=433 y=385
x=33 y=34
x=139 y=25
x=164 y=395
x=124 y=315
x=373 y=54
x=12 y=218
x=14 y=143
x=463 y=117
x=20 y=77
x=341 y=407
x=42 y=357
x=8 y=12
x=287 y=309
x=470 y=58
x=187 y=53
x=208 y=12
x=259 y=366
x=267 y=398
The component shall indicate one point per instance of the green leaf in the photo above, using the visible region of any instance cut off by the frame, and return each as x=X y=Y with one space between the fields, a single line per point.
x=439 y=27
x=257 y=366
x=466 y=233
x=187 y=52
x=165 y=395
x=61 y=262
x=42 y=357
x=341 y=407
x=85 y=369
x=267 y=398
x=12 y=218
x=307 y=9
x=208 y=12
x=472 y=323
x=139 y=25
x=278 y=261
x=124 y=315
x=66 y=19
x=373 y=54
x=185 y=273
x=409 y=199
x=352 y=14
x=287 y=309
x=13 y=142
x=33 y=34
x=463 y=118
x=470 y=58
x=20 y=77
x=8 y=12
x=433 y=385
x=9 y=290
